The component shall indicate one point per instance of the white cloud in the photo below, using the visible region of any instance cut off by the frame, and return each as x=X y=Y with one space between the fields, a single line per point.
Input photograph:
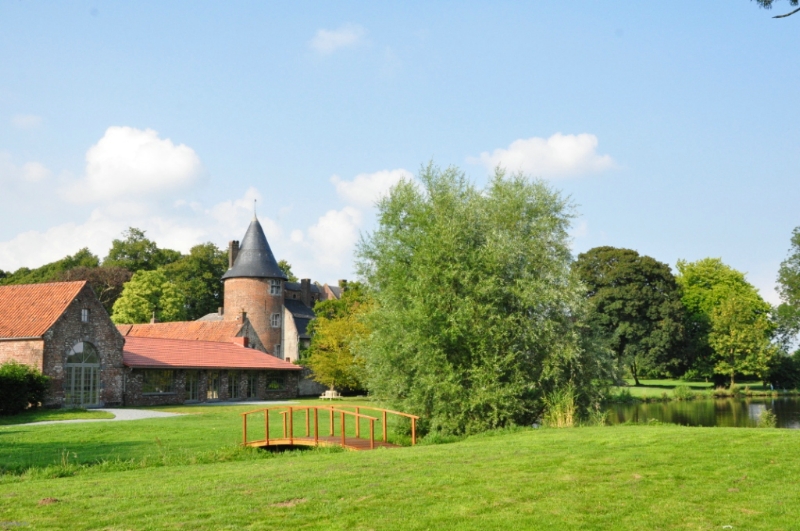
x=135 y=164
x=30 y=172
x=334 y=236
x=557 y=156
x=325 y=42
x=26 y=121
x=34 y=172
x=367 y=188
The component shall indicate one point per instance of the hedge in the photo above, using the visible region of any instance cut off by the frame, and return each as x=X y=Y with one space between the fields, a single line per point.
x=21 y=387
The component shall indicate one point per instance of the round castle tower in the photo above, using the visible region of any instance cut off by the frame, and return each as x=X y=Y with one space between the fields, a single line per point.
x=254 y=284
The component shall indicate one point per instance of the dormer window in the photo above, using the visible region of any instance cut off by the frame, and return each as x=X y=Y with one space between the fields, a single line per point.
x=85 y=315
x=275 y=287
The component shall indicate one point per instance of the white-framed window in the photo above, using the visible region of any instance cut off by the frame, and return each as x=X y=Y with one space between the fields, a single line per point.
x=275 y=287
x=85 y=315
x=275 y=320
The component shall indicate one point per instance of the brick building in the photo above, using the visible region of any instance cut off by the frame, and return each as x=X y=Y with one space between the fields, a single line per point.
x=62 y=329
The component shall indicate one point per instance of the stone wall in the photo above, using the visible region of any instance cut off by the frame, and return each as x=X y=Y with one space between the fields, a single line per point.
x=68 y=331
x=307 y=386
x=26 y=351
x=135 y=397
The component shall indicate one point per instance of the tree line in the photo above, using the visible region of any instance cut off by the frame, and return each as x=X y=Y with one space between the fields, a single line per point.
x=474 y=313
x=138 y=280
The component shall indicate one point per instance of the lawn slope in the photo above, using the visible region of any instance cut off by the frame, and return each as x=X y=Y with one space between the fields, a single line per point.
x=627 y=477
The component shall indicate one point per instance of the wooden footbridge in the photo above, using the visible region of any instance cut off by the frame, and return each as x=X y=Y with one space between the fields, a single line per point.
x=356 y=430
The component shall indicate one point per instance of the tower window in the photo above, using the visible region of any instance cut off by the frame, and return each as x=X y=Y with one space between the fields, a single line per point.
x=274 y=287
x=85 y=315
x=275 y=320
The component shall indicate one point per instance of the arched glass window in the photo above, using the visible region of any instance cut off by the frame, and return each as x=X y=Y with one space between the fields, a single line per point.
x=83 y=353
x=81 y=376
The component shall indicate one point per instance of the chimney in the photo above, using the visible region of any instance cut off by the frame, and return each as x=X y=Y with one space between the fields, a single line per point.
x=241 y=341
x=343 y=284
x=153 y=319
x=305 y=291
x=233 y=252
x=221 y=311
x=243 y=315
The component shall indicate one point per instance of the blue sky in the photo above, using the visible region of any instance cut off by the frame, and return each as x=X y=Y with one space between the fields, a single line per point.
x=673 y=126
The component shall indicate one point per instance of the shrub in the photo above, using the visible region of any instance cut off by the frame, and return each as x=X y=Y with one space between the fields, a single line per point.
x=21 y=387
x=561 y=408
x=767 y=419
x=682 y=392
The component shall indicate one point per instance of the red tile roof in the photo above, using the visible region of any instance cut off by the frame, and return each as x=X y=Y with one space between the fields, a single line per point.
x=154 y=353
x=221 y=331
x=29 y=310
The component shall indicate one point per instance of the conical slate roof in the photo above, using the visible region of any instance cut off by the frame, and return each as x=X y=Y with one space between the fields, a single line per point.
x=255 y=258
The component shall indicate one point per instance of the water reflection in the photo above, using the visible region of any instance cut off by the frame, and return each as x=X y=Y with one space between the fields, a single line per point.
x=729 y=412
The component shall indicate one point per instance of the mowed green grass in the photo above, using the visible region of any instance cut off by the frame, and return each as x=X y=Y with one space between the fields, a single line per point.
x=200 y=431
x=628 y=477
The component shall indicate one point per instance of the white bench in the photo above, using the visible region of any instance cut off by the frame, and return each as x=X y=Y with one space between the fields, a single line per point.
x=330 y=395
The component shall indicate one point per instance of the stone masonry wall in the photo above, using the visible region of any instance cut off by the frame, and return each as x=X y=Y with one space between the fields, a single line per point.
x=68 y=331
x=135 y=397
x=26 y=351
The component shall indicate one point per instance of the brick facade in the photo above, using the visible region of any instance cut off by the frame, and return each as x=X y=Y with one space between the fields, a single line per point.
x=252 y=295
x=26 y=351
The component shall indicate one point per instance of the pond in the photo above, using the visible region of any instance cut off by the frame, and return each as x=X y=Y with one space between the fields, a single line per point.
x=729 y=412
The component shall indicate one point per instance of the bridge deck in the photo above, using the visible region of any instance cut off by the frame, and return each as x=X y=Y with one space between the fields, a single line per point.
x=351 y=443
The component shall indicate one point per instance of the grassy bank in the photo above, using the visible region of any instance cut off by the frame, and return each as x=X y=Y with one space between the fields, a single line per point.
x=42 y=415
x=665 y=390
x=628 y=477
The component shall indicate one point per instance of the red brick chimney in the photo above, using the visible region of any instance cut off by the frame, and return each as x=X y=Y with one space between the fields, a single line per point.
x=233 y=252
x=241 y=341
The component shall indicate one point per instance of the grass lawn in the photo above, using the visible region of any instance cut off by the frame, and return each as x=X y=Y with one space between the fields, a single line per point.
x=627 y=477
x=203 y=433
x=41 y=415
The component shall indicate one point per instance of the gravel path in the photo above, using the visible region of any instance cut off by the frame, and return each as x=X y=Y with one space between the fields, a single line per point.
x=119 y=414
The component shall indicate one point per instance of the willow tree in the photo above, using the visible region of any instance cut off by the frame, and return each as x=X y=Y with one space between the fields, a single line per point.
x=476 y=309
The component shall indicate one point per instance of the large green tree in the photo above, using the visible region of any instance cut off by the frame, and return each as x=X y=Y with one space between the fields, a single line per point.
x=53 y=271
x=788 y=312
x=286 y=267
x=335 y=333
x=106 y=281
x=135 y=252
x=636 y=307
x=740 y=337
x=708 y=284
x=148 y=294
x=198 y=278
x=475 y=305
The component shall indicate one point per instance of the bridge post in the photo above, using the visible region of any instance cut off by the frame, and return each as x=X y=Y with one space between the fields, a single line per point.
x=331 y=412
x=371 y=434
x=316 y=427
x=384 y=427
x=413 y=431
x=291 y=426
x=341 y=415
x=358 y=422
x=266 y=426
x=244 y=430
x=308 y=430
